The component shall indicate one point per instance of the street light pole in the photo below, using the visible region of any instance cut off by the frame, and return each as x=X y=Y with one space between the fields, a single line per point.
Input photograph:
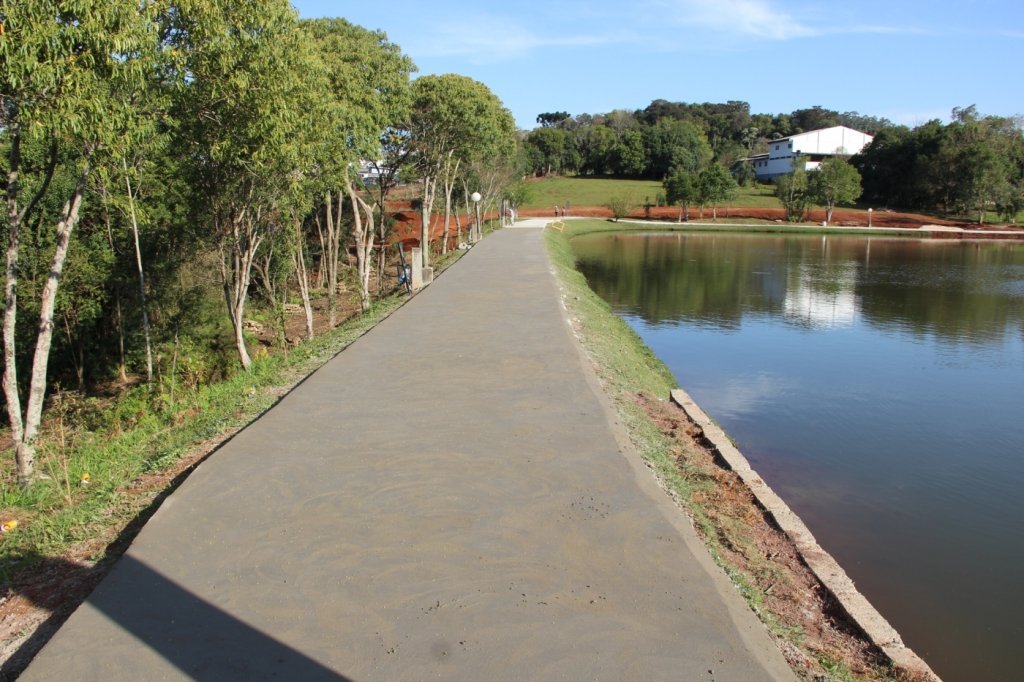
x=477 y=233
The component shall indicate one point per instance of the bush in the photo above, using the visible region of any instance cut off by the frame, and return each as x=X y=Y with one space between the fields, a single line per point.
x=620 y=205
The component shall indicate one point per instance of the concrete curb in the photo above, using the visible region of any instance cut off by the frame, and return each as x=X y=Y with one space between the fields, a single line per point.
x=821 y=563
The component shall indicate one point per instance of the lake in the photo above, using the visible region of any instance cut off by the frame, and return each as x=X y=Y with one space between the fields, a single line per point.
x=877 y=384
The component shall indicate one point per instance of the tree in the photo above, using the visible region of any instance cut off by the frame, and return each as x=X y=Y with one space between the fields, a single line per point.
x=369 y=94
x=715 y=185
x=68 y=75
x=628 y=155
x=242 y=142
x=681 y=188
x=620 y=205
x=791 y=190
x=555 y=118
x=834 y=182
x=454 y=119
x=550 y=145
x=672 y=143
x=815 y=118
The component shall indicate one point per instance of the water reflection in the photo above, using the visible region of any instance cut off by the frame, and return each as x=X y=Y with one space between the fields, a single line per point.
x=876 y=385
x=960 y=292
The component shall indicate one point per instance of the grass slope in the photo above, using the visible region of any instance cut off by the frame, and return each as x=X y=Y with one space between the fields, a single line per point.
x=546 y=193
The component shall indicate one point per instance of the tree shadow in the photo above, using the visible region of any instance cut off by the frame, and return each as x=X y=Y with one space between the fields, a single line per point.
x=198 y=638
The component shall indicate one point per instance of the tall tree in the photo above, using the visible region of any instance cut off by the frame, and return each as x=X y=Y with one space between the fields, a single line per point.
x=454 y=119
x=791 y=190
x=833 y=182
x=715 y=185
x=681 y=188
x=369 y=83
x=239 y=104
x=67 y=77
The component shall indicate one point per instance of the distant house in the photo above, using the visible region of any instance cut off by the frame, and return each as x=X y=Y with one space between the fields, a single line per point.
x=815 y=146
x=370 y=171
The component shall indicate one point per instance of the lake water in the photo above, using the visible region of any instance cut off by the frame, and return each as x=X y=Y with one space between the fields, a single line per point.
x=878 y=386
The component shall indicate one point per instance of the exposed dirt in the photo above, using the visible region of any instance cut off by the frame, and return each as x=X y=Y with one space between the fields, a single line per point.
x=747 y=539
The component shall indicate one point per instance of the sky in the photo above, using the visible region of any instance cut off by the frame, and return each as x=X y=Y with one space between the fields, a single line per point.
x=906 y=60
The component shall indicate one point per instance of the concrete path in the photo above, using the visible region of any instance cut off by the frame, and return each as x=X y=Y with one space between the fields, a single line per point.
x=448 y=498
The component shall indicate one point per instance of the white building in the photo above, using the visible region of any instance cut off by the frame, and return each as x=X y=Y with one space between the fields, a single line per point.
x=815 y=145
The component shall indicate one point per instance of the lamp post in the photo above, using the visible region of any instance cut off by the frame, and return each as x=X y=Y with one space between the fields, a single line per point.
x=869 y=217
x=477 y=235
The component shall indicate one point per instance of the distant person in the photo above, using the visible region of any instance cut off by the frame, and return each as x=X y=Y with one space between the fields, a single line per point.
x=556 y=211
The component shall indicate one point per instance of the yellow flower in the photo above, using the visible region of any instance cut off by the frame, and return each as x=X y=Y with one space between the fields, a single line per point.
x=85 y=478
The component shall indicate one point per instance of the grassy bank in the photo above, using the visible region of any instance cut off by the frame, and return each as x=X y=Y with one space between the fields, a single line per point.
x=758 y=558
x=549 y=192
x=581 y=226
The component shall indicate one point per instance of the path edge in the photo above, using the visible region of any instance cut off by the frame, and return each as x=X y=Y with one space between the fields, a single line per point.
x=828 y=571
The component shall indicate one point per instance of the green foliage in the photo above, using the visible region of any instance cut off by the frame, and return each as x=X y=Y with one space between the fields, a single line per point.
x=967 y=166
x=834 y=182
x=792 y=190
x=681 y=188
x=620 y=205
x=714 y=186
x=745 y=175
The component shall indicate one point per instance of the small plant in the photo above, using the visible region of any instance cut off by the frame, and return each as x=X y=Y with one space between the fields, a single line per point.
x=620 y=205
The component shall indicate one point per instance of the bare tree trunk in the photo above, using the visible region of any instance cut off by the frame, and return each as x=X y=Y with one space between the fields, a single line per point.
x=302 y=275
x=333 y=258
x=122 y=369
x=142 y=276
x=321 y=282
x=429 y=188
x=25 y=448
x=23 y=431
x=364 y=236
x=236 y=269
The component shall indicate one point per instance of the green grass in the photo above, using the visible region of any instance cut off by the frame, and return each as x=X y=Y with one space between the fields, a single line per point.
x=549 y=192
x=575 y=228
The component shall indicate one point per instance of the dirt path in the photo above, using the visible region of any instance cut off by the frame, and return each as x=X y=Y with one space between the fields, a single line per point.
x=447 y=498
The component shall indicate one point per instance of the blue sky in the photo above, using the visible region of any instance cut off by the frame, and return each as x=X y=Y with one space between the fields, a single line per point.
x=908 y=61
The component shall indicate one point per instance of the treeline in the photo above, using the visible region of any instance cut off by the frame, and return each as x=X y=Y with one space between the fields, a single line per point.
x=652 y=142
x=972 y=164
x=166 y=162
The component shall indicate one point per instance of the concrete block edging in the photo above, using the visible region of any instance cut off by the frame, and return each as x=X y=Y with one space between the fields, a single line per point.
x=821 y=563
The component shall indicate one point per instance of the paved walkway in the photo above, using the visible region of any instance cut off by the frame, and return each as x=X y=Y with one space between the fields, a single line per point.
x=448 y=498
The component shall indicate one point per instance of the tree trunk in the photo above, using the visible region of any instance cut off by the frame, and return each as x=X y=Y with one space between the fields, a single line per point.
x=25 y=447
x=236 y=271
x=364 y=242
x=24 y=451
x=302 y=274
x=429 y=187
x=122 y=369
x=142 y=276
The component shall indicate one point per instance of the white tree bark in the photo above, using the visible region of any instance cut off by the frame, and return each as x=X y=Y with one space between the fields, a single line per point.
x=25 y=448
x=142 y=276
x=302 y=274
x=364 y=235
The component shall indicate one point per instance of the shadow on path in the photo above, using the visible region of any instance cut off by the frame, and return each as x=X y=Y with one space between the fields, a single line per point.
x=198 y=638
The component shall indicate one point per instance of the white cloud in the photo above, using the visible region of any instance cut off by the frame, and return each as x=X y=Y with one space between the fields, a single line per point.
x=753 y=18
x=485 y=39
